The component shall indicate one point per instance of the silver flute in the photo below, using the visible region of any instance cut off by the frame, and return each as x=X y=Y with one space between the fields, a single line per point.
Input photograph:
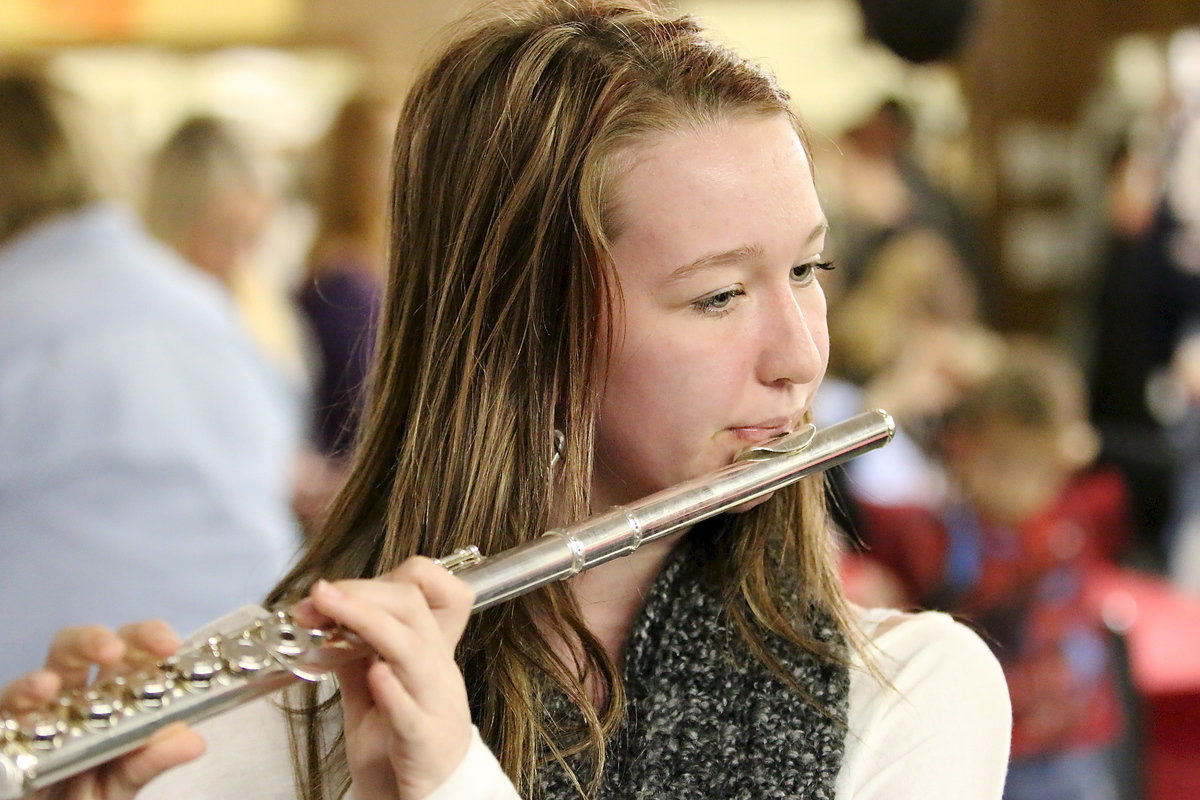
x=263 y=651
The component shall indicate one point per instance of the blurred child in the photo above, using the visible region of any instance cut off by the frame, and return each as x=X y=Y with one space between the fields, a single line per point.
x=1025 y=516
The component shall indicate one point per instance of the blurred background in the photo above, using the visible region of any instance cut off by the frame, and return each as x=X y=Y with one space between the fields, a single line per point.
x=999 y=174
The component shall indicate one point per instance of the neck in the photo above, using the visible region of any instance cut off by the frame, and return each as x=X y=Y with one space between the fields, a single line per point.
x=611 y=595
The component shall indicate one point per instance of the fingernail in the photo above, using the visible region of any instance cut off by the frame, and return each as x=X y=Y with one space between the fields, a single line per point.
x=304 y=606
x=105 y=647
x=327 y=589
x=41 y=683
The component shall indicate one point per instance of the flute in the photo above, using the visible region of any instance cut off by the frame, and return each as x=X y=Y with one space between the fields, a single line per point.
x=266 y=650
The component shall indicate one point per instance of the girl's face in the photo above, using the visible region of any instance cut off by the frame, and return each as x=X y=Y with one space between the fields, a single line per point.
x=720 y=342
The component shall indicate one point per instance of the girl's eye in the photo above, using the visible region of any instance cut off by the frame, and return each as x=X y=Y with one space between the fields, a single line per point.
x=804 y=273
x=716 y=303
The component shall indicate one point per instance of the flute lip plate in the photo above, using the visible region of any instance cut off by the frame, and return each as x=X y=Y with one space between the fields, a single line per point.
x=781 y=445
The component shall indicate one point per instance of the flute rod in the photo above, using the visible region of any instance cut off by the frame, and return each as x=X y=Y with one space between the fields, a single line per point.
x=266 y=651
x=619 y=531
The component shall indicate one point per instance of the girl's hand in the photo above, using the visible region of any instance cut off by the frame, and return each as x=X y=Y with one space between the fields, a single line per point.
x=407 y=721
x=77 y=653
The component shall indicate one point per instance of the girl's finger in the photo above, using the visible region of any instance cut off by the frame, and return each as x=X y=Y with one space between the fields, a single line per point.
x=384 y=622
x=149 y=639
x=356 y=695
x=30 y=691
x=403 y=602
x=75 y=651
x=393 y=698
x=431 y=740
x=146 y=643
x=416 y=658
x=422 y=594
x=449 y=598
x=305 y=613
x=169 y=747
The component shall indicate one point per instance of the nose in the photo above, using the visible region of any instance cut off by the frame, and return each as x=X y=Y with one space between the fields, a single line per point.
x=794 y=338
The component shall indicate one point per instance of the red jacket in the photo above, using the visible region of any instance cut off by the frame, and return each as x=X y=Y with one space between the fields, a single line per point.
x=1024 y=589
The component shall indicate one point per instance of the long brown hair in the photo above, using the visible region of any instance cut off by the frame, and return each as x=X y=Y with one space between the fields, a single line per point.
x=499 y=287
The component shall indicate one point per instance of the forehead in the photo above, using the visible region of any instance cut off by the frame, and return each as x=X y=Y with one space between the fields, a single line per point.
x=744 y=181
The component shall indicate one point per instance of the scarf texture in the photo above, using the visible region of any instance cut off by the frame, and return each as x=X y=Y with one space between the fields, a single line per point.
x=706 y=720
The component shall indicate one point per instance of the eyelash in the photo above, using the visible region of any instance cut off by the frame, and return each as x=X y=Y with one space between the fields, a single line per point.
x=718 y=304
x=824 y=266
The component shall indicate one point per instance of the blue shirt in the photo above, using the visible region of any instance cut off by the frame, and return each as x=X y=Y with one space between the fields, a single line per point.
x=145 y=447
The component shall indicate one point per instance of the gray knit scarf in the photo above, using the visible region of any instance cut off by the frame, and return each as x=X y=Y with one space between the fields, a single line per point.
x=706 y=720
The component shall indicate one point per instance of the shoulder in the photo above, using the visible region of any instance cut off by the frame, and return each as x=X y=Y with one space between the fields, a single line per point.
x=932 y=719
x=344 y=281
x=931 y=657
x=99 y=271
x=340 y=297
x=896 y=640
x=926 y=665
x=91 y=306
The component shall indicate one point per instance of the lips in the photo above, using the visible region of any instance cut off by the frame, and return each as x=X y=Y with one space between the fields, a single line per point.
x=761 y=431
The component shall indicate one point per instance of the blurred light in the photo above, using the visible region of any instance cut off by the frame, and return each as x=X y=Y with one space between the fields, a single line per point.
x=285 y=99
x=1139 y=72
x=40 y=22
x=1183 y=59
x=817 y=50
x=1119 y=610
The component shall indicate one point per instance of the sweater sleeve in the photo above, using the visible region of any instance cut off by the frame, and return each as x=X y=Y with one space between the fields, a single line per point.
x=941 y=730
x=477 y=777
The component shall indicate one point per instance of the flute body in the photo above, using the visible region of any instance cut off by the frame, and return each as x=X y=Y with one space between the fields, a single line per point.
x=264 y=651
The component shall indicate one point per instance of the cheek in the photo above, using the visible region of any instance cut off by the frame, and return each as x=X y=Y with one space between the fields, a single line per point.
x=665 y=404
x=683 y=377
x=657 y=426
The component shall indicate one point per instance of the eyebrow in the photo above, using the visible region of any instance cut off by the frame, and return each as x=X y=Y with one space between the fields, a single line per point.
x=735 y=256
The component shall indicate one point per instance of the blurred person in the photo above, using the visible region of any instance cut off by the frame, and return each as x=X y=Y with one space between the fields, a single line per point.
x=341 y=289
x=1125 y=356
x=1183 y=533
x=1173 y=274
x=143 y=456
x=879 y=187
x=906 y=337
x=1010 y=550
x=208 y=196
